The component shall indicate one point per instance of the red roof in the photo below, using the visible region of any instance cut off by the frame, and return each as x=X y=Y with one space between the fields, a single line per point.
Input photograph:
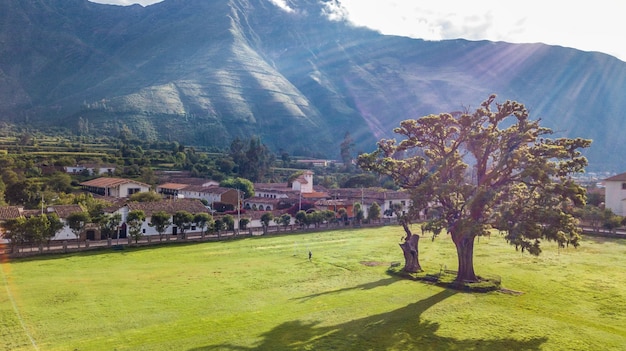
x=169 y=206
x=617 y=178
x=9 y=212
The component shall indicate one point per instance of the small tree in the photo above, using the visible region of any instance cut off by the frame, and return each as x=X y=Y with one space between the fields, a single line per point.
x=358 y=213
x=77 y=222
x=285 y=219
x=329 y=216
x=54 y=226
x=301 y=219
x=145 y=196
x=241 y=184
x=229 y=222
x=265 y=220
x=109 y=225
x=374 y=212
x=15 y=231
x=218 y=226
x=343 y=215
x=134 y=220
x=203 y=220
x=160 y=220
x=611 y=220
x=243 y=223
x=182 y=220
x=36 y=227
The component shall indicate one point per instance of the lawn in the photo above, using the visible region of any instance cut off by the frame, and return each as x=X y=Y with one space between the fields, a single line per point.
x=265 y=294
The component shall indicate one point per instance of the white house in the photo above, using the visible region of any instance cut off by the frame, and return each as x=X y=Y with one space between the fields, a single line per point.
x=63 y=211
x=170 y=207
x=114 y=187
x=7 y=213
x=615 y=194
x=210 y=193
x=303 y=183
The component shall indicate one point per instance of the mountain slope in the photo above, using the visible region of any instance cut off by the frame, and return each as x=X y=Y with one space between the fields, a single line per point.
x=204 y=72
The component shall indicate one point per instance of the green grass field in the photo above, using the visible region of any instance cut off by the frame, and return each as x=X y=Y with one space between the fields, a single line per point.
x=264 y=294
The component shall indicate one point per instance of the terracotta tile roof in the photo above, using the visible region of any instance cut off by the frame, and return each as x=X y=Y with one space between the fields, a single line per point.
x=9 y=212
x=173 y=186
x=315 y=195
x=208 y=190
x=272 y=186
x=617 y=178
x=30 y=213
x=331 y=203
x=105 y=182
x=170 y=206
x=63 y=211
x=192 y=181
x=301 y=180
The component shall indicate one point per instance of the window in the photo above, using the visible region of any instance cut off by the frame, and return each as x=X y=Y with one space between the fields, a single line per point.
x=133 y=190
x=623 y=186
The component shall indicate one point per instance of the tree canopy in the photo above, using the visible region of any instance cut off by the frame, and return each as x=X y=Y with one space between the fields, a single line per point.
x=490 y=167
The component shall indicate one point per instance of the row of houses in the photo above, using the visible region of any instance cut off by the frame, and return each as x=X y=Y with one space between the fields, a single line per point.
x=191 y=195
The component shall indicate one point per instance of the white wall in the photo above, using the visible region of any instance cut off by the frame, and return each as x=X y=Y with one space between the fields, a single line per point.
x=614 y=197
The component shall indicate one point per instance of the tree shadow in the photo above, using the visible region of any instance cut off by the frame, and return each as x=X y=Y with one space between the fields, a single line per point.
x=401 y=329
x=366 y=286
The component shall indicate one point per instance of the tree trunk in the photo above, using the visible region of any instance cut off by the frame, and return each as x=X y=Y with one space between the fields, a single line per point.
x=409 y=249
x=465 y=254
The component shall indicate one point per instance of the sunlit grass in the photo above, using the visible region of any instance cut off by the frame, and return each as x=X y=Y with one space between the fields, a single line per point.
x=264 y=294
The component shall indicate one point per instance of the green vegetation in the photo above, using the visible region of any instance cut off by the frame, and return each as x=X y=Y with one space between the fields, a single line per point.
x=264 y=294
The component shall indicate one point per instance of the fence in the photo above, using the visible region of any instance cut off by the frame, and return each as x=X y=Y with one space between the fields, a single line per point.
x=69 y=246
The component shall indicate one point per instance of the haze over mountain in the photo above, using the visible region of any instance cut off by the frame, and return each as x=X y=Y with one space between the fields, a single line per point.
x=203 y=72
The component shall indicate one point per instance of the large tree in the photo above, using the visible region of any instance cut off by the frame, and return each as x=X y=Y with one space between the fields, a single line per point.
x=492 y=166
x=253 y=158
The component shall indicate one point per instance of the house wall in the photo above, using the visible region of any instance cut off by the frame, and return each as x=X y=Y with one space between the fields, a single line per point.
x=122 y=190
x=388 y=204
x=270 y=194
x=230 y=197
x=65 y=233
x=199 y=195
x=615 y=196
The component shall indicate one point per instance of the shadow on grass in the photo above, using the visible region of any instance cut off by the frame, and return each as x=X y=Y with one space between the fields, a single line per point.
x=366 y=286
x=401 y=329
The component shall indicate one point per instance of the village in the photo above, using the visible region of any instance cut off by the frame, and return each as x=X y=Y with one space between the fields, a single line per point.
x=273 y=208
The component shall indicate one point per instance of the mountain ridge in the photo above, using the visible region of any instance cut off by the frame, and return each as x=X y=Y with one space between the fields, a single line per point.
x=205 y=72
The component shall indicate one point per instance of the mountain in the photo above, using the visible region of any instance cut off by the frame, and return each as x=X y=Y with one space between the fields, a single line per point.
x=204 y=72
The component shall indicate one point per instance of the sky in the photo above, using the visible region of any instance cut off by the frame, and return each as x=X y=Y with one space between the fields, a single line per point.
x=598 y=25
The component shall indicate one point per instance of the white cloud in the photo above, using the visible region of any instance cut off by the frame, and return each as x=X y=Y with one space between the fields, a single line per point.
x=282 y=4
x=585 y=25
